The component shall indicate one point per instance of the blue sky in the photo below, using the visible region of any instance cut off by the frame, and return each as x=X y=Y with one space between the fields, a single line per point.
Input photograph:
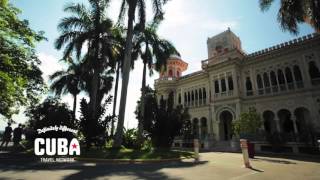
x=188 y=24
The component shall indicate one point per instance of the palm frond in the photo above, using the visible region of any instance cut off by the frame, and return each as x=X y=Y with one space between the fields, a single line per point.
x=265 y=4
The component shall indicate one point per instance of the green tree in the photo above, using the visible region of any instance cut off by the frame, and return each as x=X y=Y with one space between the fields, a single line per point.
x=89 y=26
x=162 y=122
x=153 y=51
x=68 y=81
x=50 y=113
x=248 y=123
x=130 y=7
x=294 y=12
x=20 y=77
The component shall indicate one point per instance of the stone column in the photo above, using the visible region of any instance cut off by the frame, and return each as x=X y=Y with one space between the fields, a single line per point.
x=208 y=94
x=227 y=84
x=276 y=72
x=199 y=128
x=305 y=73
x=182 y=97
x=285 y=79
x=294 y=121
x=278 y=125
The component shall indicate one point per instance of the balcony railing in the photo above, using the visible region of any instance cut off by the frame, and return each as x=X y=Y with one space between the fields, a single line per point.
x=165 y=79
x=223 y=94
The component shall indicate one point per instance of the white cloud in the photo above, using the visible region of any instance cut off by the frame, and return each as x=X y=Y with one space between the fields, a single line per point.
x=49 y=65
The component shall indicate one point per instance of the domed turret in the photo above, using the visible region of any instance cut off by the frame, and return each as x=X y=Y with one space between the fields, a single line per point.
x=175 y=67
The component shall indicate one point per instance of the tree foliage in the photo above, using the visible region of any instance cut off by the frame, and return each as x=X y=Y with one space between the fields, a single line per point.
x=248 y=123
x=89 y=25
x=163 y=122
x=50 y=113
x=20 y=77
x=95 y=131
x=294 y=12
x=68 y=81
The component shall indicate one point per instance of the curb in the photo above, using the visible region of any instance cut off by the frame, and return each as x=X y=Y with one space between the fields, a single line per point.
x=129 y=161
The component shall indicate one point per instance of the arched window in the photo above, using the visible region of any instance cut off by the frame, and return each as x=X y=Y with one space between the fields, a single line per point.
x=200 y=96
x=314 y=73
x=196 y=97
x=216 y=87
x=179 y=99
x=192 y=98
x=274 y=82
x=223 y=85
x=289 y=78
x=260 y=84
x=266 y=82
x=298 y=76
x=178 y=74
x=230 y=83
x=204 y=95
x=297 y=73
x=170 y=73
x=281 y=80
x=249 y=87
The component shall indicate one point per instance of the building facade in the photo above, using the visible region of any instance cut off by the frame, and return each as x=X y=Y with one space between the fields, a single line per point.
x=281 y=82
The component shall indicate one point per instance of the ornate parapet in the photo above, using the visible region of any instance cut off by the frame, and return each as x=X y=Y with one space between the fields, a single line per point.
x=285 y=44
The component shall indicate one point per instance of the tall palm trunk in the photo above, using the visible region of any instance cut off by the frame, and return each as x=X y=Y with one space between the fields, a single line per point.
x=125 y=76
x=95 y=84
x=142 y=105
x=94 y=93
x=115 y=98
x=74 y=106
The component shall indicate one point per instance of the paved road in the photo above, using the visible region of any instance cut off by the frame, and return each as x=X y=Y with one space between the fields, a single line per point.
x=212 y=166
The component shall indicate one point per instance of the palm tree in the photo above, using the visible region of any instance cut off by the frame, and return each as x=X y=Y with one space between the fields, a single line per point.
x=91 y=27
x=68 y=81
x=120 y=38
x=130 y=7
x=294 y=12
x=154 y=53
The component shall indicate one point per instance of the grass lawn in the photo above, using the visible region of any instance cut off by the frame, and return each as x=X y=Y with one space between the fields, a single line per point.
x=131 y=154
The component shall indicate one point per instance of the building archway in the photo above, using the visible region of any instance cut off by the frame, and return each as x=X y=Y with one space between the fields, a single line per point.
x=286 y=122
x=268 y=122
x=226 y=118
x=303 y=119
x=204 y=127
x=195 y=127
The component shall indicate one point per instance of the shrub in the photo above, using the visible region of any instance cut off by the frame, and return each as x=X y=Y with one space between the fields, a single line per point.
x=248 y=124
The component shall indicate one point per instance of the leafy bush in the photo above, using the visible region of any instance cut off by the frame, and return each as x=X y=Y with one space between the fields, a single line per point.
x=130 y=138
x=163 y=122
x=248 y=124
x=49 y=113
x=95 y=130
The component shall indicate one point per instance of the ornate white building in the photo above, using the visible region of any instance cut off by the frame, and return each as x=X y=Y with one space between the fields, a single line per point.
x=282 y=82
